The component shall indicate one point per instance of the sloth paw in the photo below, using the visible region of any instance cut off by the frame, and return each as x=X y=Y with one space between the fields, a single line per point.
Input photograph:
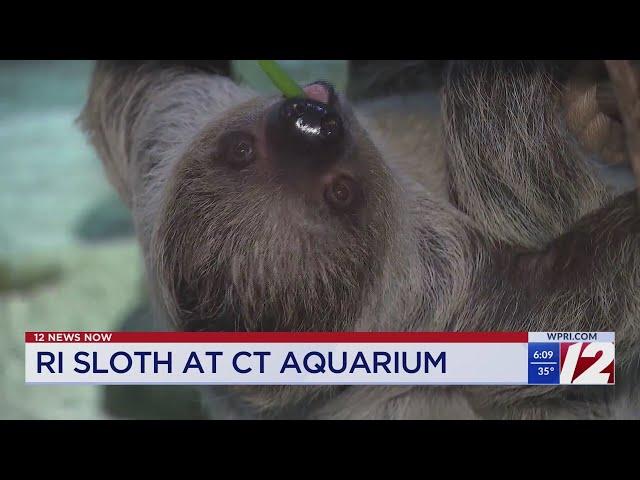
x=592 y=115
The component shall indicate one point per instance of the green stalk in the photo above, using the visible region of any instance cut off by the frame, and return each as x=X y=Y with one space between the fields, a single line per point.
x=281 y=79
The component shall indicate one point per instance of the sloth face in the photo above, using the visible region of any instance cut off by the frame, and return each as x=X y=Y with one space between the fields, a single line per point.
x=278 y=217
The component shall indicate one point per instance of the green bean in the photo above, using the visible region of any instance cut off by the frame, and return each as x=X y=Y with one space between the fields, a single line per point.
x=281 y=79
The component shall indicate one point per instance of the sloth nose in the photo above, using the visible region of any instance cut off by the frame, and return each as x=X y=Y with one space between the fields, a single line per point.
x=306 y=128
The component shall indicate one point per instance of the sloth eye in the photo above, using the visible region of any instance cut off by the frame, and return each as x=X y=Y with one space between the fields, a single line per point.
x=238 y=149
x=341 y=192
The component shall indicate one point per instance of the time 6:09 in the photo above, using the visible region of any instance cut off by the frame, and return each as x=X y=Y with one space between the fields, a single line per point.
x=543 y=354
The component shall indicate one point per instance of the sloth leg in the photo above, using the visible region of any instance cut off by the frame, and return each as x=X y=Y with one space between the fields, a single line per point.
x=512 y=164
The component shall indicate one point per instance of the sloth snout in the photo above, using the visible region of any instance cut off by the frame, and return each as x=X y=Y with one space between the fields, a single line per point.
x=301 y=130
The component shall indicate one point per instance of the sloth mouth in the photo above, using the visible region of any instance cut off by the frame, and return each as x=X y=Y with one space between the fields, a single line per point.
x=321 y=91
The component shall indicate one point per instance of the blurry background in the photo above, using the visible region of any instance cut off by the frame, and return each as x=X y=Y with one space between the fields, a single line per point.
x=68 y=258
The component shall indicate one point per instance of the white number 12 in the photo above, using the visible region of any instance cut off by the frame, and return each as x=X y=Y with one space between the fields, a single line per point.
x=593 y=374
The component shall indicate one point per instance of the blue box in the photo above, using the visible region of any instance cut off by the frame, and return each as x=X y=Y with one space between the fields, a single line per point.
x=544 y=364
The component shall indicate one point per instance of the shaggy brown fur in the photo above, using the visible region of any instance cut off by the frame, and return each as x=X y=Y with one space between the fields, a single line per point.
x=529 y=240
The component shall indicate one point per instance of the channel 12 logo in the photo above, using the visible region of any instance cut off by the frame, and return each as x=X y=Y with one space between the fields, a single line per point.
x=582 y=363
x=587 y=363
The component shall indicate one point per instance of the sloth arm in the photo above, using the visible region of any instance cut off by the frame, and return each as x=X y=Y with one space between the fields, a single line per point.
x=587 y=279
x=139 y=113
x=553 y=250
x=513 y=167
x=556 y=251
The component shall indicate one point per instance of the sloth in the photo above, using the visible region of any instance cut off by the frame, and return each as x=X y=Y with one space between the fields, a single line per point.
x=262 y=213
